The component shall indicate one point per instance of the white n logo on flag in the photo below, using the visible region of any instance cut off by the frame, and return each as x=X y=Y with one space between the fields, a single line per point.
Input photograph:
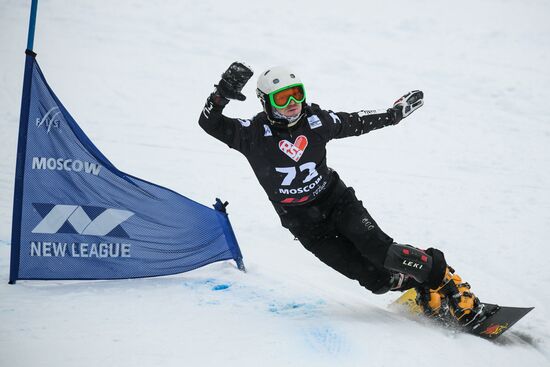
x=85 y=220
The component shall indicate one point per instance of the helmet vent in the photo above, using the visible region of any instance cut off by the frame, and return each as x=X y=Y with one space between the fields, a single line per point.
x=292 y=76
x=275 y=81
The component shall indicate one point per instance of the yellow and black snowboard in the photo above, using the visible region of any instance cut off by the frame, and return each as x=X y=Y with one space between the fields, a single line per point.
x=490 y=324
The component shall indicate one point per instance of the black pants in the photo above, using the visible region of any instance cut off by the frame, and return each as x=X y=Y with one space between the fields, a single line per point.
x=342 y=234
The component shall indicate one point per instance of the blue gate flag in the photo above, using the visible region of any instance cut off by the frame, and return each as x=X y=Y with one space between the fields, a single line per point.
x=76 y=216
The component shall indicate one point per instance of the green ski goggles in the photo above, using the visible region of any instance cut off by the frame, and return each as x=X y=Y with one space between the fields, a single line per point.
x=282 y=97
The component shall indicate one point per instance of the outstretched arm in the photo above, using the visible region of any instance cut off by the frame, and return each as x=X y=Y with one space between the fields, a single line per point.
x=362 y=122
x=225 y=129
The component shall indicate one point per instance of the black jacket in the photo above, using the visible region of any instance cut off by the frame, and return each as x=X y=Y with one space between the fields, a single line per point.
x=290 y=163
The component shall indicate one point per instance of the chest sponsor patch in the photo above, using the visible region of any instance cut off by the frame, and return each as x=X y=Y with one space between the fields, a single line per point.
x=294 y=150
x=314 y=121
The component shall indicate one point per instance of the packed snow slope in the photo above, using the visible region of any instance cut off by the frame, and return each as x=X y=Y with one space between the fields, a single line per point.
x=468 y=173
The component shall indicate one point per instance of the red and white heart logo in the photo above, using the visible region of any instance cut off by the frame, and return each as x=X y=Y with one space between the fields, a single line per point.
x=294 y=151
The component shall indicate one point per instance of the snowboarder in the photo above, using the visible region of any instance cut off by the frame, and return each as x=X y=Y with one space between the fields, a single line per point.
x=286 y=148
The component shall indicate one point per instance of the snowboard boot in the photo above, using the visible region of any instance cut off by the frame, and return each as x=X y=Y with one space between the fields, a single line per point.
x=453 y=297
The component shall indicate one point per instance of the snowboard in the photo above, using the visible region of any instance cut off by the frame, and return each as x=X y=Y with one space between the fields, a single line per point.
x=492 y=322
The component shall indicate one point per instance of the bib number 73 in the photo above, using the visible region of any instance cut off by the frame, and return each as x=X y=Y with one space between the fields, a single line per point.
x=292 y=171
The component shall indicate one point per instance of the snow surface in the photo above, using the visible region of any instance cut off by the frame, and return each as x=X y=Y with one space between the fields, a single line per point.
x=467 y=173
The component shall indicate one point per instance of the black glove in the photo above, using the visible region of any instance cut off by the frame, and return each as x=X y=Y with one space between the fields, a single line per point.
x=406 y=105
x=233 y=81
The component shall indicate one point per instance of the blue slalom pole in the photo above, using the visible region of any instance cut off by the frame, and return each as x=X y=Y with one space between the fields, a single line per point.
x=21 y=150
x=230 y=235
x=32 y=24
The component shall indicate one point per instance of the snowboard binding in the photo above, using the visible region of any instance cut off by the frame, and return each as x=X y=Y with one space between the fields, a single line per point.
x=453 y=306
x=451 y=302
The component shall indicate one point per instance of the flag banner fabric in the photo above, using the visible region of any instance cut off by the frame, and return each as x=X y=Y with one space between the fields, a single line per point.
x=76 y=216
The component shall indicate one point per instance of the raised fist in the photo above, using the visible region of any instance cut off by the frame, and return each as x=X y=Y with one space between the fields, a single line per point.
x=233 y=80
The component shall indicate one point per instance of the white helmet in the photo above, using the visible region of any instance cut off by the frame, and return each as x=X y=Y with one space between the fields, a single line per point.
x=273 y=80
